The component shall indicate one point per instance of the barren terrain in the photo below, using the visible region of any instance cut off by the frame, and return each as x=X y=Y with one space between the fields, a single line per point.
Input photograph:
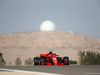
x=30 y=44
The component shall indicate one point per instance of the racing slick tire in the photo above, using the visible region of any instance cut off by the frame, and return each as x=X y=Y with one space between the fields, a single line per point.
x=66 y=60
x=42 y=60
x=59 y=59
x=36 y=60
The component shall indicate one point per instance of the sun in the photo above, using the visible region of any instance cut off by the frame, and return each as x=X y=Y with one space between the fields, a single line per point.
x=47 y=26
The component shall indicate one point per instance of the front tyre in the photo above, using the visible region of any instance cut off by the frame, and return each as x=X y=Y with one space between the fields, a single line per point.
x=59 y=59
x=42 y=60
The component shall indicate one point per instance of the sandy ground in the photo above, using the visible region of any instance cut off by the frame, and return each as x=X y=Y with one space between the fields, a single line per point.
x=31 y=44
x=15 y=73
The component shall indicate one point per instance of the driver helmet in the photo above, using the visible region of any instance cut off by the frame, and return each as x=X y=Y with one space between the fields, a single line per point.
x=50 y=51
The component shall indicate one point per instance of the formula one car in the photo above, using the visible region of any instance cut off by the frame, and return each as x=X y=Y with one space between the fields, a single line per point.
x=50 y=59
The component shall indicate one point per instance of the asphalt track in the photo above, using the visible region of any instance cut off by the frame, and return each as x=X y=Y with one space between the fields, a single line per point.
x=65 y=70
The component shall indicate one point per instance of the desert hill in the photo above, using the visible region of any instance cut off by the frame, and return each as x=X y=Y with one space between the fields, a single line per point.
x=30 y=44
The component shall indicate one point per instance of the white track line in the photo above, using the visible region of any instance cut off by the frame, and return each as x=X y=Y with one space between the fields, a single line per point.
x=92 y=73
x=32 y=72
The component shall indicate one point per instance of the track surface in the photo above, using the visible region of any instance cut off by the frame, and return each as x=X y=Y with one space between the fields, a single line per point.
x=65 y=70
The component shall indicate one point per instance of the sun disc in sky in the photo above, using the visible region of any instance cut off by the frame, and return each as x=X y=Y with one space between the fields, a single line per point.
x=47 y=26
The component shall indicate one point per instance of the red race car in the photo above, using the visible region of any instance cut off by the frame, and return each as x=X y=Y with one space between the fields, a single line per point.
x=50 y=59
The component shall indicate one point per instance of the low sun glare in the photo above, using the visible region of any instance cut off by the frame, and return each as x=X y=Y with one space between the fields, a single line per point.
x=47 y=26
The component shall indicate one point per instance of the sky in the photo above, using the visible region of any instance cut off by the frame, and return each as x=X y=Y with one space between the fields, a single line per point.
x=79 y=16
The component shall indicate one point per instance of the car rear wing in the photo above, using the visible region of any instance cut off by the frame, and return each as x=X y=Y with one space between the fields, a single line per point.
x=43 y=55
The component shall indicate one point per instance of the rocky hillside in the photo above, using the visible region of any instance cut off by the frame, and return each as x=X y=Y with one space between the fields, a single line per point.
x=30 y=44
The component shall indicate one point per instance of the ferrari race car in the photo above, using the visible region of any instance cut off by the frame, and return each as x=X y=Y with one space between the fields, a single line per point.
x=50 y=59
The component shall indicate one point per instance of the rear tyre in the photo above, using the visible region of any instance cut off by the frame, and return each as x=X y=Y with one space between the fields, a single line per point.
x=36 y=60
x=66 y=60
x=42 y=60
